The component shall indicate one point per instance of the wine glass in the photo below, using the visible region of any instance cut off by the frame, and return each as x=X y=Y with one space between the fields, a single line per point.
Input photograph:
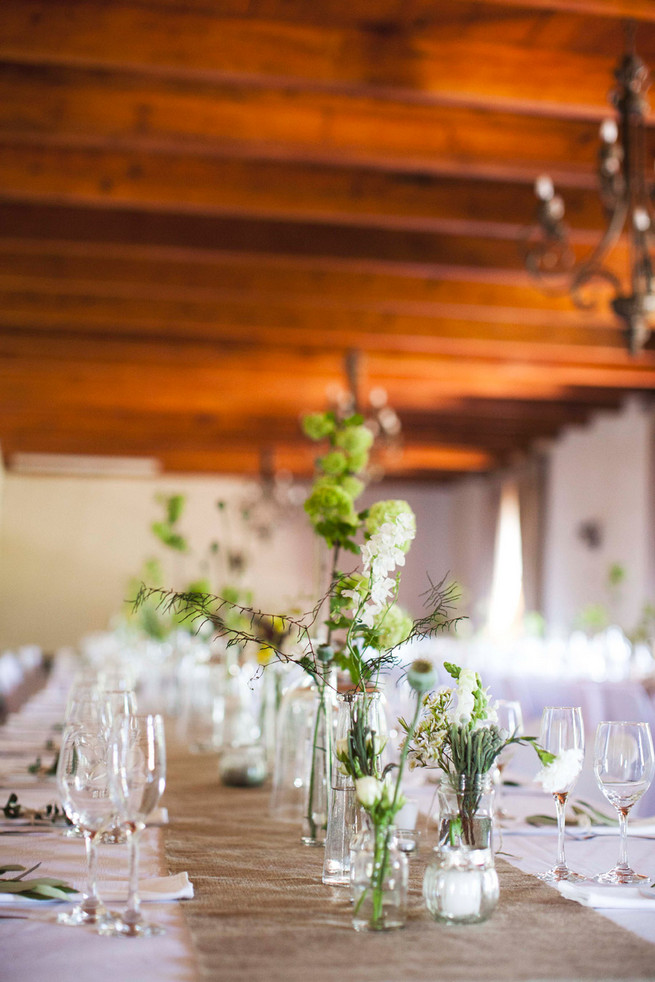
x=510 y=719
x=114 y=703
x=138 y=777
x=562 y=734
x=84 y=788
x=624 y=765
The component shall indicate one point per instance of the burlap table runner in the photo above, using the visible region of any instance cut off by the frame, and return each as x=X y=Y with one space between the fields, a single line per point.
x=262 y=913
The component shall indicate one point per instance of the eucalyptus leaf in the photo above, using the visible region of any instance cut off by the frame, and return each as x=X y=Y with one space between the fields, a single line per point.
x=37 y=888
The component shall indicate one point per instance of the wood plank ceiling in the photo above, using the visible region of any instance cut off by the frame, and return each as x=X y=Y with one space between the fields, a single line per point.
x=205 y=205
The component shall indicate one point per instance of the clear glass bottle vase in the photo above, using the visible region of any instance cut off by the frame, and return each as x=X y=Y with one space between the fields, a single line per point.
x=345 y=816
x=319 y=760
x=378 y=880
x=303 y=755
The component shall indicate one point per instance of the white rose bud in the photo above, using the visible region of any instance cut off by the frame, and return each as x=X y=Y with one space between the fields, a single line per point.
x=368 y=790
x=342 y=748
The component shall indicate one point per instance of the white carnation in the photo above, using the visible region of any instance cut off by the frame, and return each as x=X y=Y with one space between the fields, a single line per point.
x=559 y=776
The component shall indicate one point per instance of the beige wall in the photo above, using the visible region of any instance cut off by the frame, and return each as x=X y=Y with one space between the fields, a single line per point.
x=69 y=545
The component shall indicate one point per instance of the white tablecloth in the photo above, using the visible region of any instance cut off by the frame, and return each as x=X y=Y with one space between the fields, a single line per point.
x=32 y=946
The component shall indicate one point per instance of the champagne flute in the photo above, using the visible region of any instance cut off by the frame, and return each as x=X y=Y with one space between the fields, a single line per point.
x=138 y=778
x=562 y=734
x=510 y=719
x=84 y=788
x=624 y=764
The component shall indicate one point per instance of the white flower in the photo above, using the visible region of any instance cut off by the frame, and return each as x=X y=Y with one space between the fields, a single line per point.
x=381 y=554
x=467 y=685
x=368 y=790
x=342 y=747
x=559 y=776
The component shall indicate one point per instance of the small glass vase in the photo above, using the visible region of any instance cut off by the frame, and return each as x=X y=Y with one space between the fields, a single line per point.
x=345 y=817
x=460 y=885
x=378 y=880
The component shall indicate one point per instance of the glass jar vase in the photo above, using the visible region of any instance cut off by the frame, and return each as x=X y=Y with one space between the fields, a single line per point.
x=466 y=811
x=378 y=880
x=460 y=885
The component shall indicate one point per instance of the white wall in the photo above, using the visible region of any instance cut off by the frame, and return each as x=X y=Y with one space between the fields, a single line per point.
x=600 y=473
x=69 y=546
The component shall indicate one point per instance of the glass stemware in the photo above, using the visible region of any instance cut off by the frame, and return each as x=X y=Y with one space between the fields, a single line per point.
x=562 y=734
x=510 y=719
x=115 y=703
x=624 y=765
x=138 y=778
x=84 y=787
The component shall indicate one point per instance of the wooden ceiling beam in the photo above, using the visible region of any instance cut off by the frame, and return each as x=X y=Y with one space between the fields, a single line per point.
x=126 y=270
x=486 y=49
x=139 y=432
x=238 y=323
x=496 y=251
x=189 y=125
x=189 y=184
x=245 y=379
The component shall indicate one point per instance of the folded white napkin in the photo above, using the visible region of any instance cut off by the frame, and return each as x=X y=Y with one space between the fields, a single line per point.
x=177 y=887
x=602 y=895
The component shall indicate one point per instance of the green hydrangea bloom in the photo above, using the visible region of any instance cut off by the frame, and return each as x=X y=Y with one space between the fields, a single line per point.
x=354 y=440
x=330 y=503
x=357 y=461
x=334 y=462
x=352 y=485
x=395 y=626
x=387 y=511
x=318 y=425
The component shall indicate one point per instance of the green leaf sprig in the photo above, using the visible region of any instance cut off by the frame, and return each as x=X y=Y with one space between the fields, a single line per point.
x=50 y=814
x=36 y=888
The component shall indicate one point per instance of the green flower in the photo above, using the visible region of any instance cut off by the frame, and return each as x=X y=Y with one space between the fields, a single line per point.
x=387 y=511
x=355 y=440
x=394 y=626
x=334 y=463
x=421 y=676
x=352 y=485
x=318 y=425
x=358 y=461
x=330 y=503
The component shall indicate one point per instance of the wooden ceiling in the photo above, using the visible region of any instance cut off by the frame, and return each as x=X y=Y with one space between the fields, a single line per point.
x=206 y=204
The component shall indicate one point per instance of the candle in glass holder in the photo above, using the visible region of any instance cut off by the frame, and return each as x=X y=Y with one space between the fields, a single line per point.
x=461 y=892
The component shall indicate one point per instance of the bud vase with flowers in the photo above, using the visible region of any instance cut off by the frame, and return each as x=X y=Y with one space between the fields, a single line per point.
x=458 y=734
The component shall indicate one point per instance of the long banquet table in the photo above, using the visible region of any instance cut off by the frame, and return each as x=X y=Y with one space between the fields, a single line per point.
x=260 y=911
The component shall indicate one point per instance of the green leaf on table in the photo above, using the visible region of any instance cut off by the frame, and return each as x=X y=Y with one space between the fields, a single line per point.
x=36 y=888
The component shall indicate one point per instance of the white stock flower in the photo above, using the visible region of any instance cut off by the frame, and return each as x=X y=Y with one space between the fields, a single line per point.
x=466 y=685
x=381 y=554
x=368 y=790
x=560 y=775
